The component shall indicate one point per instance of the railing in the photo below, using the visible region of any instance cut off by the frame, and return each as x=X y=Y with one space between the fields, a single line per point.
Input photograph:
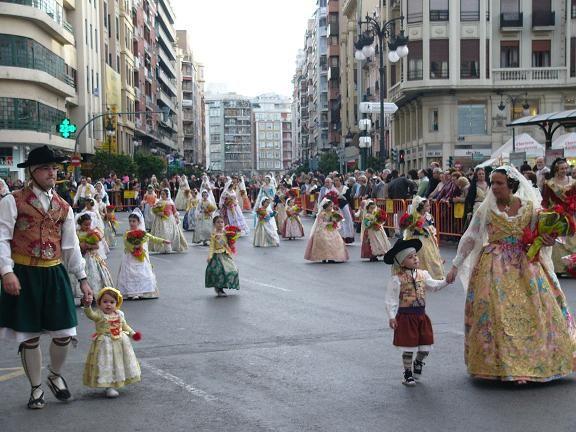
x=511 y=19
x=534 y=75
x=543 y=18
x=442 y=74
x=413 y=18
x=469 y=72
x=439 y=15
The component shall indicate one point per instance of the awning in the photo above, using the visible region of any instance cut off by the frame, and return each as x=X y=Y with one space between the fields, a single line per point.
x=567 y=142
x=549 y=122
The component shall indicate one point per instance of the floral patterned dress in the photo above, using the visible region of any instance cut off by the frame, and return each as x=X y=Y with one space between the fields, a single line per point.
x=292 y=227
x=165 y=226
x=204 y=215
x=221 y=271
x=325 y=243
x=517 y=323
x=554 y=193
x=374 y=239
x=111 y=361
x=97 y=271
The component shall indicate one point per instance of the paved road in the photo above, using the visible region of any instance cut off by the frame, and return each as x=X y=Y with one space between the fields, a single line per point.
x=301 y=347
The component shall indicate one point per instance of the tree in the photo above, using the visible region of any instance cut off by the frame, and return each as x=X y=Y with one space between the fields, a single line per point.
x=104 y=162
x=329 y=161
x=149 y=164
x=375 y=163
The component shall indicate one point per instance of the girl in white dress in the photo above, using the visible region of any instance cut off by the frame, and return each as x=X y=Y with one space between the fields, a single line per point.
x=230 y=209
x=181 y=200
x=204 y=215
x=136 y=278
x=167 y=225
x=265 y=234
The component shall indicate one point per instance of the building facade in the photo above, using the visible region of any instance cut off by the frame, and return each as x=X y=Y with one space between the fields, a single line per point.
x=38 y=78
x=229 y=134
x=193 y=128
x=272 y=132
x=474 y=66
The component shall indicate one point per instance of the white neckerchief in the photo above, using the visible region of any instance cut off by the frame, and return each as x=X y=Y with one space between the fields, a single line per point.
x=45 y=197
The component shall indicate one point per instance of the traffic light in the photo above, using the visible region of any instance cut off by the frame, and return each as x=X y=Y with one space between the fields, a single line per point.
x=394 y=154
x=401 y=156
x=450 y=161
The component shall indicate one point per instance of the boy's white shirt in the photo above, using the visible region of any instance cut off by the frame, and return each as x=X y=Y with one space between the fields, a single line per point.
x=392 y=296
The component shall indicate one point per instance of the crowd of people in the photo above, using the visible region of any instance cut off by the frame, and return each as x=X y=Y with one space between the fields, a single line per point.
x=518 y=326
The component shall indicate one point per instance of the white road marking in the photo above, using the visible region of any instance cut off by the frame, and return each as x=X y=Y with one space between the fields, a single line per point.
x=159 y=258
x=179 y=382
x=266 y=285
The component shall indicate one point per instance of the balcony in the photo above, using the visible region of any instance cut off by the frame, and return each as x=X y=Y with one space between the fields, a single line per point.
x=166 y=100
x=511 y=20
x=530 y=76
x=168 y=82
x=439 y=15
x=333 y=29
x=166 y=61
x=543 y=19
x=50 y=17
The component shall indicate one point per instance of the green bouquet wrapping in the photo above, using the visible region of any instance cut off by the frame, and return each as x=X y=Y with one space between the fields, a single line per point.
x=556 y=222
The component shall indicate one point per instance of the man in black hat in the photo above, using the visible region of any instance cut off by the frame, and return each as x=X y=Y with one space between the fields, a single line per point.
x=38 y=247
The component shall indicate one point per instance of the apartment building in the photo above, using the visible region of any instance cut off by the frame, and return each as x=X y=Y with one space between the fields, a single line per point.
x=333 y=75
x=38 y=78
x=192 y=84
x=229 y=133
x=473 y=66
x=272 y=131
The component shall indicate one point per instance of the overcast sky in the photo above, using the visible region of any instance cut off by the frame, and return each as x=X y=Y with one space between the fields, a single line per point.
x=248 y=47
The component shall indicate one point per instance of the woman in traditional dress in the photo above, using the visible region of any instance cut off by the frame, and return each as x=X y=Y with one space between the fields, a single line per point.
x=517 y=323
x=148 y=202
x=347 y=226
x=246 y=206
x=554 y=192
x=97 y=222
x=204 y=215
x=4 y=189
x=166 y=225
x=280 y=206
x=375 y=242
x=267 y=190
x=420 y=225
x=189 y=223
x=325 y=243
x=180 y=201
x=221 y=271
x=100 y=190
x=230 y=209
x=293 y=227
x=265 y=233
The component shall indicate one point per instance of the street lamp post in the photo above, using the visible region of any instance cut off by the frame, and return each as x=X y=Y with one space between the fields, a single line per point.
x=398 y=48
x=364 y=141
x=513 y=99
x=110 y=131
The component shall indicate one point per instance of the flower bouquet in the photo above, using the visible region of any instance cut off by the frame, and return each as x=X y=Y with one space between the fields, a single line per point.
x=556 y=221
x=293 y=211
x=209 y=209
x=232 y=233
x=380 y=217
x=570 y=262
x=410 y=221
x=262 y=214
x=334 y=221
x=92 y=238
x=110 y=216
x=161 y=210
x=332 y=196
x=136 y=240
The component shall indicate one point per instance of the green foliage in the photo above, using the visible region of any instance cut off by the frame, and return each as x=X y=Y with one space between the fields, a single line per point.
x=104 y=163
x=375 y=163
x=148 y=164
x=329 y=161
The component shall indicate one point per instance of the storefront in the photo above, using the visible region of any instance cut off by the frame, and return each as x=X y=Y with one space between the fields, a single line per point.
x=10 y=156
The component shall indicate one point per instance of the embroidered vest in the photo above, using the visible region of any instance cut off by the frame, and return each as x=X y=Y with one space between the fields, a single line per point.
x=38 y=233
x=412 y=291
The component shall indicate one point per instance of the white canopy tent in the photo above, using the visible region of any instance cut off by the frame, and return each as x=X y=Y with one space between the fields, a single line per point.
x=524 y=143
x=567 y=142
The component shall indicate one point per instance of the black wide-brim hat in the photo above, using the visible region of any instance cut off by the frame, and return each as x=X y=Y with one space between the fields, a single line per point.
x=41 y=156
x=400 y=245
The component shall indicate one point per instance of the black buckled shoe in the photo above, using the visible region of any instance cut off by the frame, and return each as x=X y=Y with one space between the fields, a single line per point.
x=418 y=368
x=39 y=402
x=60 y=394
x=408 y=378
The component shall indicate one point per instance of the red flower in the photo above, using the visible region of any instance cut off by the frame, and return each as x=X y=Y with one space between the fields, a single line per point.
x=529 y=236
x=332 y=196
x=137 y=336
x=405 y=221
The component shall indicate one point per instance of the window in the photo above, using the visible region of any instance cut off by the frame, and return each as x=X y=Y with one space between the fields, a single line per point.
x=91 y=38
x=414 y=11
x=86 y=29
x=541 y=53
x=573 y=56
x=414 y=60
x=96 y=39
x=439 y=58
x=98 y=83
x=510 y=6
x=509 y=54
x=106 y=16
x=573 y=9
x=469 y=58
x=469 y=10
x=439 y=10
x=471 y=120
x=542 y=14
x=26 y=114
x=93 y=84
x=433 y=121
x=487 y=58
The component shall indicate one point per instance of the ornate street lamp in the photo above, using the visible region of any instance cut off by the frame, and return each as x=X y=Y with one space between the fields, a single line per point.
x=397 y=49
x=514 y=99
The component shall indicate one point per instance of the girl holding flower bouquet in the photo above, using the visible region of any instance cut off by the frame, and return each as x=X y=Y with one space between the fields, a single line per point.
x=204 y=215
x=167 y=225
x=560 y=189
x=518 y=326
x=96 y=269
x=221 y=271
x=110 y=226
x=148 y=202
x=189 y=223
x=420 y=225
x=230 y=209
x=136 y=278
x=325 y=243
x=375 y=242
x=265 y=234
x=293 y=227
x=280 y=206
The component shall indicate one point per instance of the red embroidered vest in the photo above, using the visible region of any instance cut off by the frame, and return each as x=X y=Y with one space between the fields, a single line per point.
x=38 y=233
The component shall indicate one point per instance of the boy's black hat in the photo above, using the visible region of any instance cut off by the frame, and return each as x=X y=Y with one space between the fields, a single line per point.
x=401 y=245
x=40 y=156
